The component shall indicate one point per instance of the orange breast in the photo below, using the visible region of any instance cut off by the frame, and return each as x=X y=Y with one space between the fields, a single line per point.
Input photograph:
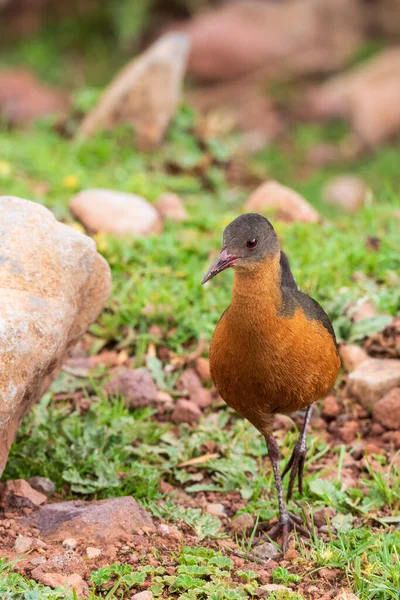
x=262 y=363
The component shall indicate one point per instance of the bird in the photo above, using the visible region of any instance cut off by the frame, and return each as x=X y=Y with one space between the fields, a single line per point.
x=273 y=350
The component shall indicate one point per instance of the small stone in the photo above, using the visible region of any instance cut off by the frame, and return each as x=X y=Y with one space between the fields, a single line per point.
x=54 y=580
x=42 y=485
x=186 y=411
x=216 y=509
x=387 y=410
x=347 y=192
x=242 y=523
x=203 y=368
x=331 y=408
x=170 y=206
x=393 y=437
x=39 y=560
x=118 y=213
x=22 y=544
x=169 y=531
x=326 y=529
x=275 y=587
x=352 y=356
x=266 y=551
x=145 y=94
x=376 y=430
x=349 y=431
x=346 y=595
x=328 y=574
x=291 y=554
x=92 y=553
x=284 y=202
x=189 y=382
x=136 y=387
x=142 y=596
x=19 y=494
x=373 y=379
x=69 y=544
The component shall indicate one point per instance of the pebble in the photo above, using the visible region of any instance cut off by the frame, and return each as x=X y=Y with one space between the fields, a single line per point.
x=22 y=544
x=216 y=509
x=242 y=523
x=275 y=587
x=39 y=560
x=92 y=552
x=331 y=408
x=373 y=379
x=69 y=544
x=266 y=550
x=326 y=529
x=43 y=485
x=142 y=596
x=186 y=411
x=387 y=410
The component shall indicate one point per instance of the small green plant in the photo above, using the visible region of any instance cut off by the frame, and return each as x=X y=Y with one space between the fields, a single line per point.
x=282 y=575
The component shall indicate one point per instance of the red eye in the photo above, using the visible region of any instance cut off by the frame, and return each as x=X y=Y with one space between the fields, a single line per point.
x=251 y=243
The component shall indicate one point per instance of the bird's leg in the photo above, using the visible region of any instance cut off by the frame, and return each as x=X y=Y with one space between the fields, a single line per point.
x=287 y=521
x=296 y=462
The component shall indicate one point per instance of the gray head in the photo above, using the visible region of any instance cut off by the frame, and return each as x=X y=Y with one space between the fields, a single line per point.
x=248 y=240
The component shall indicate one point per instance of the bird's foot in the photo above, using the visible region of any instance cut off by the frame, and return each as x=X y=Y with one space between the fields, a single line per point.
x=287 y=523
x=296 y=467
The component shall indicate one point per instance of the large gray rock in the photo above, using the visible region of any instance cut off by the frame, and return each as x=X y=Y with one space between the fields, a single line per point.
x=145 y=94
x=100 y=521
x=53 y=285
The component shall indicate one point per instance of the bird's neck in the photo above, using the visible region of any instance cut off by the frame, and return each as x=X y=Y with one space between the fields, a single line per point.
x=259 y=287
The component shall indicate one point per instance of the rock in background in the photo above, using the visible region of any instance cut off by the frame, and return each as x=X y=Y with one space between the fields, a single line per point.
x=367 y=95
x=145 y=93
x=54 y=284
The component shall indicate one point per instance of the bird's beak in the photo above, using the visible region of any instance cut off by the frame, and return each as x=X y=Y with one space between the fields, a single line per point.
x=225 y=260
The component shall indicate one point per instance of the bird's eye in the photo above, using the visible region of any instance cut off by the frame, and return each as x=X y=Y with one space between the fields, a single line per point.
x=251 y=243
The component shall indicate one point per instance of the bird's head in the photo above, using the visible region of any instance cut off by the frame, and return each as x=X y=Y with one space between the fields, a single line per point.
x=247 y=241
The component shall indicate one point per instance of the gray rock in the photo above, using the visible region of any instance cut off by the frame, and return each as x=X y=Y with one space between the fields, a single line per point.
x=145 y=94
x=42 y=485
x=102 y=521
x=54 y=285
x=266 y=551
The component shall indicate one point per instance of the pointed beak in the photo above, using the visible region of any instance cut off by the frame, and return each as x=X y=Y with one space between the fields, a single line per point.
x=225 y=260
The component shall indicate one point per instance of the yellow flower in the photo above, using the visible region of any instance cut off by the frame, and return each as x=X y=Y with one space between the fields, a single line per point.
x=78 y=227
x=5 y=169
x=71 y=182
